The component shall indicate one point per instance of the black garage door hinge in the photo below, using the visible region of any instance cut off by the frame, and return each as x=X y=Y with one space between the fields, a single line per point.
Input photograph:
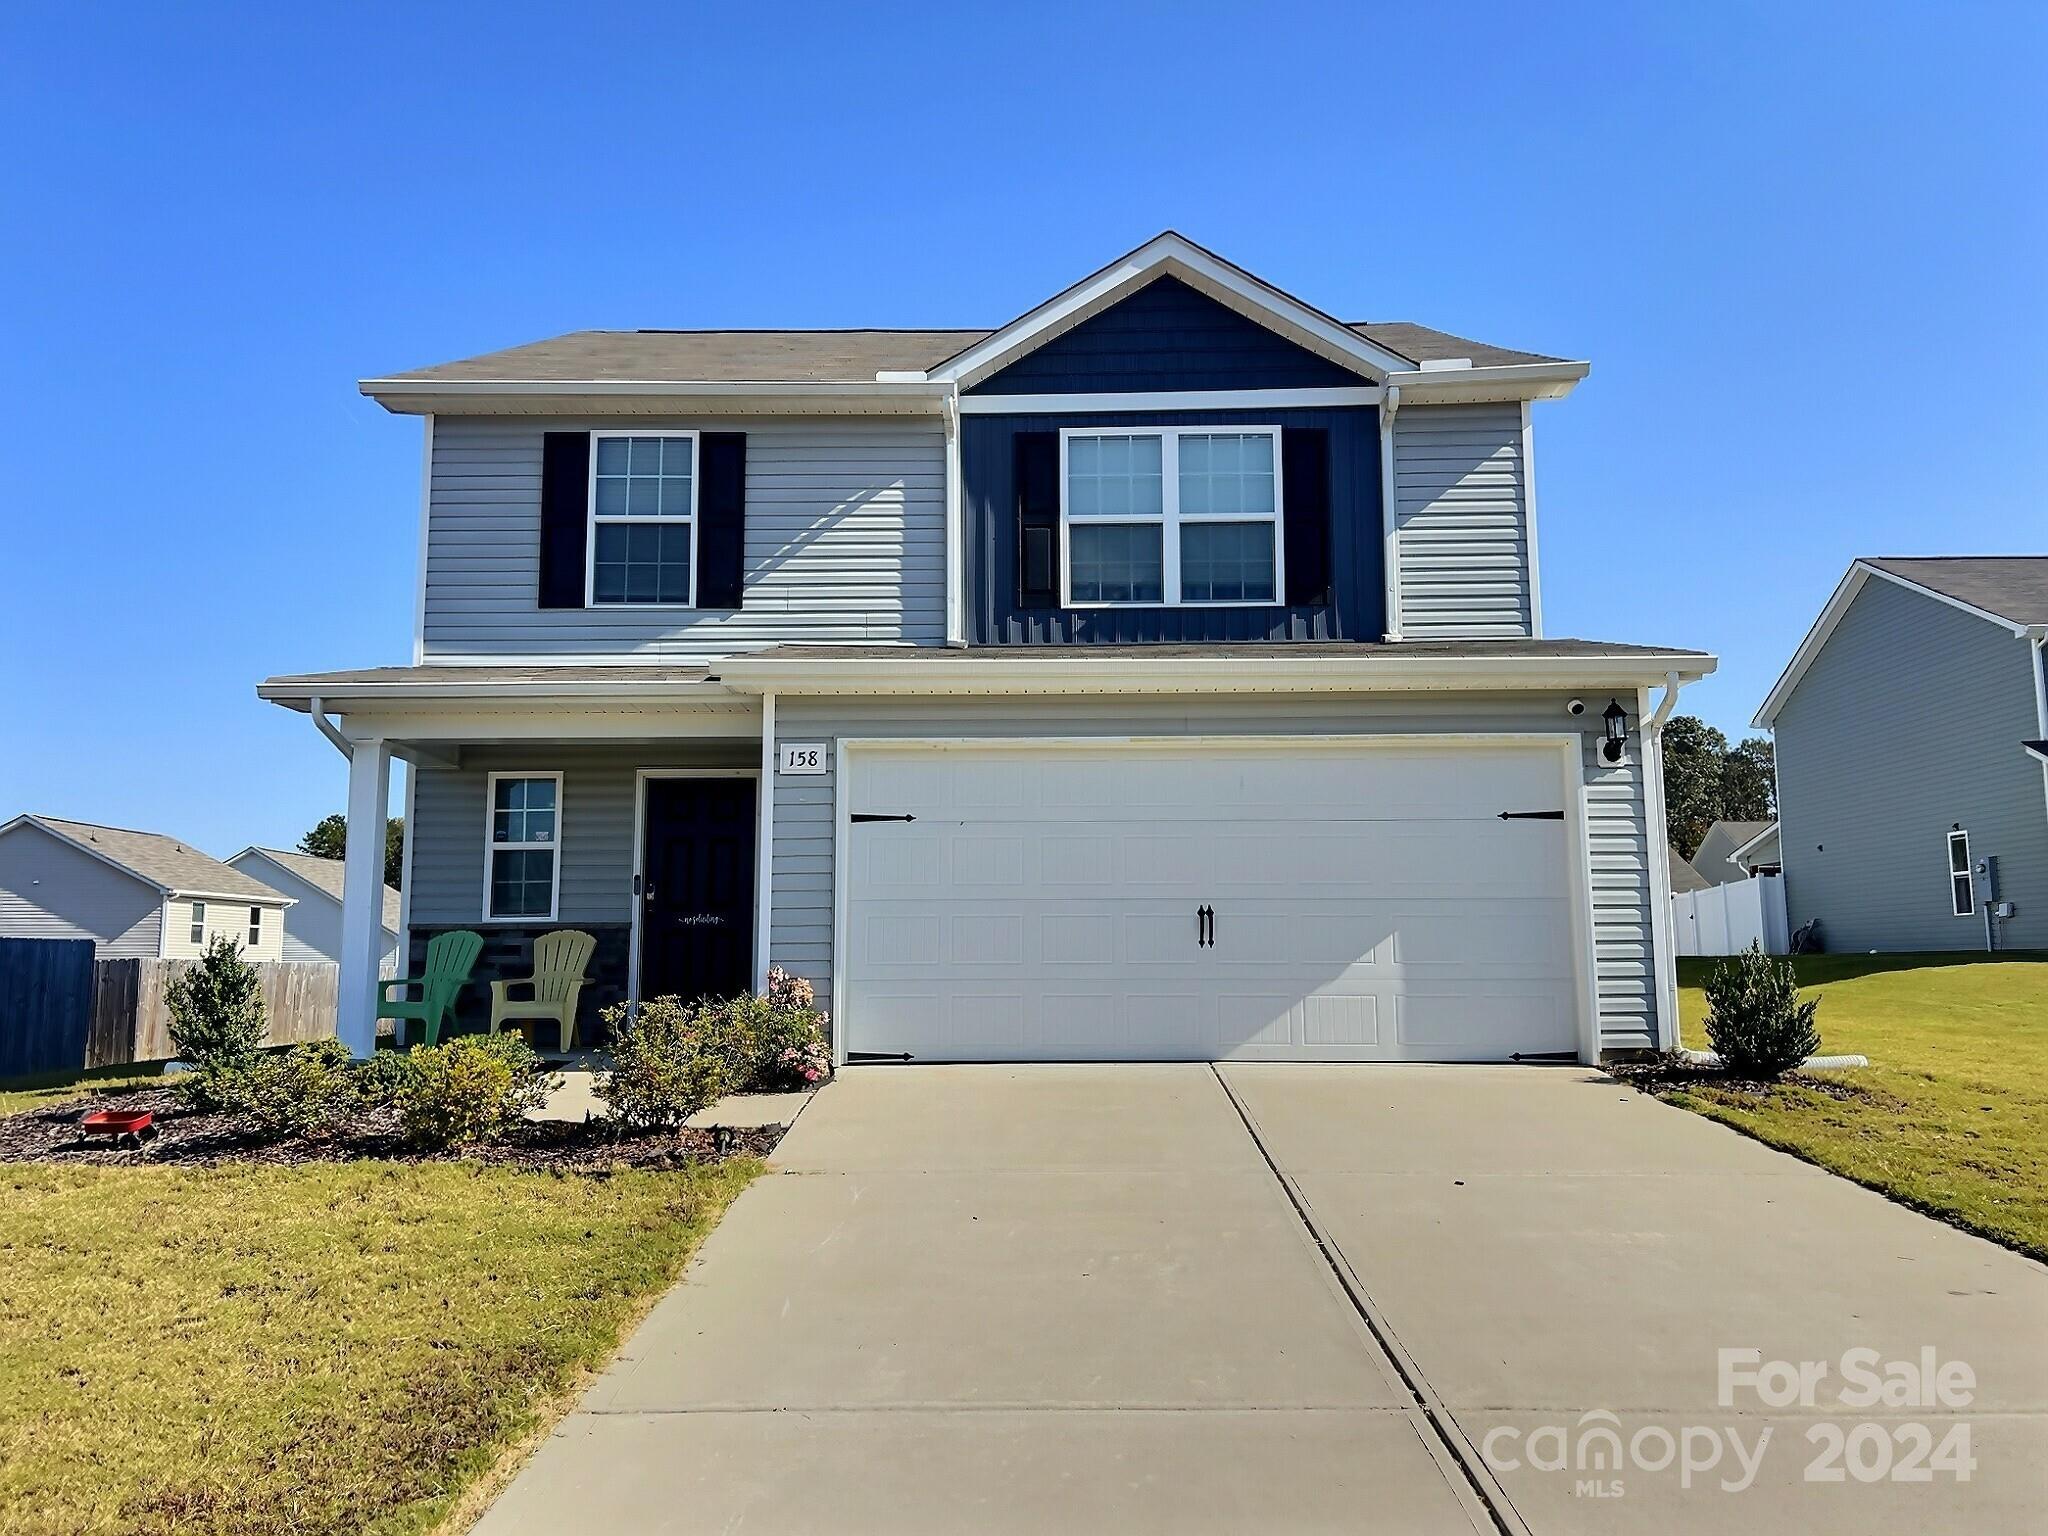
x=878 y=816
x=1532 y=815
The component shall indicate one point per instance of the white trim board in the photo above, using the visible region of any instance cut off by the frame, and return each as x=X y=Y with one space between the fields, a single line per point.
x=1169 y=400
x=1859 y=572
x=1568 y=745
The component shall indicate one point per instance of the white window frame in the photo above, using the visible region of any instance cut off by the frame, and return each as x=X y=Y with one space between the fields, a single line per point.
x=1171 y=519
x=492 y=847
x=255 y=927
x=198 y=929
x=1967 y=874
x=591 y=520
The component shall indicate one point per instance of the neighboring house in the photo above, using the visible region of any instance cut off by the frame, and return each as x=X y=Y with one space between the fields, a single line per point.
x=312 y=928
x=1684 y=878
x=1913 y=814
x=1716 y=857
x=1760 y=855
x=135 y=894
x=1160 y=675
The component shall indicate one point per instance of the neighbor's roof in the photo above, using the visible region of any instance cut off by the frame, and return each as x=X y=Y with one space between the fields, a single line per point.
x=1683 y=876
x=2014 y=587
x=326 y=874
x=819 y=357
x=175 y=868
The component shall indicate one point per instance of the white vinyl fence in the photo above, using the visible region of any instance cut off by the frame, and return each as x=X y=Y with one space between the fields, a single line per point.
x=1727 y=919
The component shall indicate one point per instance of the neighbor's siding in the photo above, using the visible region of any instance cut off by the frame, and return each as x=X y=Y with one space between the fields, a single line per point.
x=312 y=927
x=1908 y=723
x=51 y=890
x=845 y=541
x=801 y=932
x=596 y=828
x=1461 y=516
x=222 y=917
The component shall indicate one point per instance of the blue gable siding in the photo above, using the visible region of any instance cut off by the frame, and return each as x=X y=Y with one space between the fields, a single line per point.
x=1356 y=610
x=1166 y=336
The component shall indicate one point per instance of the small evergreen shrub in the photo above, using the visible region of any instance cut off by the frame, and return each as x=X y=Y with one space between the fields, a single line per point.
x=474 y=1088
x=1755 y=1021
x=309 y=1091
x=217 y=1023
x=669 y=1060
x=380 y=1077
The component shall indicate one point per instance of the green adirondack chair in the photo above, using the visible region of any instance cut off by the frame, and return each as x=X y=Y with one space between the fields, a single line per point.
x=557 y=979
x=450 y=959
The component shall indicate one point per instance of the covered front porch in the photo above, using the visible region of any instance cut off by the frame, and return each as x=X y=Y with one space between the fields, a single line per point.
x=622 y=802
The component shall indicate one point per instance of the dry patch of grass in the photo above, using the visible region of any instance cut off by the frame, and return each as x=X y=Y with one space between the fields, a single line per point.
x=308 y=1350
x=1951 y=1117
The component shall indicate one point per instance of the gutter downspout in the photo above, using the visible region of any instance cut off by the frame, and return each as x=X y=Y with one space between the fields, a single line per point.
x=328 y=728
x=956 y=628
x=1665 y=945
x=1390 y=542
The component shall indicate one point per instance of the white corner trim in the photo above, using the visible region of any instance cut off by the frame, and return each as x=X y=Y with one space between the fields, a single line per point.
x=1535 y=576
x=1390 y=516
x=1663 y=943
x=956 y=576
x=1171 y=254
x=1859 y=572
x=764 y=850
x=419 y=607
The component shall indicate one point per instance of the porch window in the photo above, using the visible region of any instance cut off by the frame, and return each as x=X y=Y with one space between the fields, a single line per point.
x=643 y=519
x=1173 y=517
x=524 y=843
x=1962 y=893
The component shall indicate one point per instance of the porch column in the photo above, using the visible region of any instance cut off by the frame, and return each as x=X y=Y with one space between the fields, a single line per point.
x=362 y=894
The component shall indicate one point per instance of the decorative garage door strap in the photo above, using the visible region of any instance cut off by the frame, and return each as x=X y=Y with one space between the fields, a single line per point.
x=879 y=816
x=1532 y=815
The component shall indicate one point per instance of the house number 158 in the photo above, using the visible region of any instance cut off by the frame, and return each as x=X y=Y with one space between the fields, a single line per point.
x=803 y=757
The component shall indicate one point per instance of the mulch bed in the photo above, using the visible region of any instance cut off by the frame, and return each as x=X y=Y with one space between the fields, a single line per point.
x=1669 y=1073
x=186 y=1139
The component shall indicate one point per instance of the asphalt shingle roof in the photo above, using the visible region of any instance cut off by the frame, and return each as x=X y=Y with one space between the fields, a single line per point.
x=2014 y=587
x=161 y=860
x=326 y=874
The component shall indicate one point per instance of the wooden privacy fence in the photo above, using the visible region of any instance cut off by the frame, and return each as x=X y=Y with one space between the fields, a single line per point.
x=61 y=1010
x=45 y=1004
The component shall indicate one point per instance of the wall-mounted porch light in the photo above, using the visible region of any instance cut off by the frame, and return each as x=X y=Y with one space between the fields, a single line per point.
x=1616 y=745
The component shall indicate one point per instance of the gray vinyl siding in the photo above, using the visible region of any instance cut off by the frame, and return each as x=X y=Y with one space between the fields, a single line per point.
x=596 y=823
x=51 y=890
x=1618 y=849
x=1907 y=723
x=1461 y=522
x=845 y=541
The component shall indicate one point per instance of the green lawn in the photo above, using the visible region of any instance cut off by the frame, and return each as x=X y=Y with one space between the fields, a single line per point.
x=53 y=1088
x=1951 y=1117
x=335 y=1348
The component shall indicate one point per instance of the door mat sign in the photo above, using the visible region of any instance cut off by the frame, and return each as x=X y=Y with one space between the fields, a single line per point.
x=803 y=757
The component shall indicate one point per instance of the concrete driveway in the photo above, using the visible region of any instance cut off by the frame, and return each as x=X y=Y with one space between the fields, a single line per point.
x=1171 y=1298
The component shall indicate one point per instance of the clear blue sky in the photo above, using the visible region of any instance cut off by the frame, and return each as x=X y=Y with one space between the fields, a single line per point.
x=1802 y=246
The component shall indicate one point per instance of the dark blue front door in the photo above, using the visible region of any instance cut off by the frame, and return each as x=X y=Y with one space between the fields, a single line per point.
x=697 y=890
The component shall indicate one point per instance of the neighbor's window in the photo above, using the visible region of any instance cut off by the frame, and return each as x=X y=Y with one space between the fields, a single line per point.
x=643 y=518
x=1180 y=515
x=255 y=926
x=1962 y=895
x=198 y=922
x=525 y=839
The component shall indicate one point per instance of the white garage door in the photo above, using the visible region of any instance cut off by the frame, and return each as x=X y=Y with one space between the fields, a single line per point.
x=1201 y=902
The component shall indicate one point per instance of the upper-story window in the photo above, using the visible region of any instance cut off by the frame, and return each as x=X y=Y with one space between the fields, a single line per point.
x=643 y=519
x=1176 y=515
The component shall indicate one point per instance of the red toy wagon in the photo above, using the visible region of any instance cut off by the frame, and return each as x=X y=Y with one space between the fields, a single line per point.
x=127 y=1127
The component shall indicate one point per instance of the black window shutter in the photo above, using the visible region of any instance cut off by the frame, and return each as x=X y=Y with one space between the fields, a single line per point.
x=1305 y=483
x=564 y=517
x=721 y=519
x=1038 y=519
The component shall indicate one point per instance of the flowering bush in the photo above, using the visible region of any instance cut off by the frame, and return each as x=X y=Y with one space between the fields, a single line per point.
x=791 y=1035
x=804 y=1063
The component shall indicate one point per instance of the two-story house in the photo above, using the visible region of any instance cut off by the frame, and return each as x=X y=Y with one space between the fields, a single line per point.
x=1912 y=769
x=1160 y=675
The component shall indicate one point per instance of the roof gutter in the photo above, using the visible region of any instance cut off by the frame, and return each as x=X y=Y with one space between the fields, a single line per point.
x=403 y=394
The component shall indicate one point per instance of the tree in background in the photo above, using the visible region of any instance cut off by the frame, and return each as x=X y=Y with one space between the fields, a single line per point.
x=329 y=840
x=1706 y=780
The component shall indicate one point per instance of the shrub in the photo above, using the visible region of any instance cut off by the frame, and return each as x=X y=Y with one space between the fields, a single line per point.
x=309 y=1090
x=669 y=1060
x=472 y=1089
x=1755 y=1021
x=217 y=1023
x=791 y=1035
x=380 y=1077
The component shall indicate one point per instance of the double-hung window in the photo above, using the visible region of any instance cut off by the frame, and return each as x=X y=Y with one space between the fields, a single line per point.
x=255 y=927
x=643 y=519
x=198 y=922
x=1170 y=516
x=1962 y=893
x=523 y=850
